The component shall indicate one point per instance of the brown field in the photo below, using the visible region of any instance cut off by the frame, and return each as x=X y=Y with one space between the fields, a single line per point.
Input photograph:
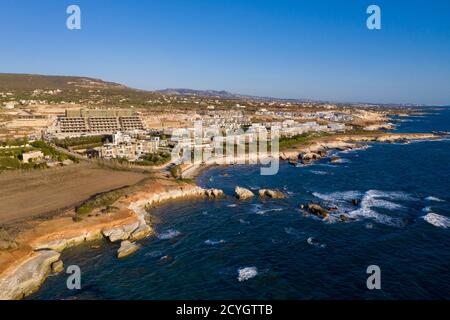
x=30 y=194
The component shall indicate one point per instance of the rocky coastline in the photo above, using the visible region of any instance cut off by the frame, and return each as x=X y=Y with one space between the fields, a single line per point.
x=24 y=268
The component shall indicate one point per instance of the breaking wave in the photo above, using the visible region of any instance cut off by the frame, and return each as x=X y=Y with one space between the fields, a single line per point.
x=313 y=242
x=320 y=173
x=368 y=202
x=247 y=273
x=214 y=242
x=431 y=198
x=437 y=220
x=169 y=234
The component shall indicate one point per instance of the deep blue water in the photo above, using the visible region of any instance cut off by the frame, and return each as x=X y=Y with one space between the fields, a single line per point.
x=202 y=244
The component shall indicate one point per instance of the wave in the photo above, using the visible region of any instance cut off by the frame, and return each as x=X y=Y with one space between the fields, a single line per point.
x=342 y=160
x=232 y=205
x=257 y=208
x=169 y=234
x=374 y=199
x=426 y=209
x=363 y=147
x=431 y=198
x=214 y=242
x=313 y=242
x=369 y=200
x=338 y=196
x=320 y=173
x=242 y=221
x=247 y=273
x=437 y=220
x=154 y=254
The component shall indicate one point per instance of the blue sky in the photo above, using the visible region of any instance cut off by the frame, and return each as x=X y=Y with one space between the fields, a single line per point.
x=282 y=48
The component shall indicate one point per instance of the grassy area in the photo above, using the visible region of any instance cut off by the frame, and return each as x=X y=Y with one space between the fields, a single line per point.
x=155 y=159
x=106 y=199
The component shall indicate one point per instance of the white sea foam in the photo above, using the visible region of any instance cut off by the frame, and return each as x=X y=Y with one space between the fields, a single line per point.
x=342 y=160
x=373 y=199
x=368 y=202
x=320 y=173
x=258 y=209
x=169 y=234
x=431 y=198
x=232 y=205
x=242 y=221
x=214 y=242
x=426 y=209
x=338 y=196
x=313 y=242
x=247 y=273
x=437 y=220
x=154 y=254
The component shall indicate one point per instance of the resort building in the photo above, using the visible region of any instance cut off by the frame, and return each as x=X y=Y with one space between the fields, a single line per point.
x=96 y=121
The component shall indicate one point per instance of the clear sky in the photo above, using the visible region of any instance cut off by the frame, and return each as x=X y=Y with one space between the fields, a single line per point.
x=281 y=48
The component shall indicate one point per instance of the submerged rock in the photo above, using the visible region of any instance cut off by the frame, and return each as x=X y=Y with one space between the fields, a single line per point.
x=335 y=159
x=275 y=194
x=355 y=202
x=243 y=193
x=126 y=248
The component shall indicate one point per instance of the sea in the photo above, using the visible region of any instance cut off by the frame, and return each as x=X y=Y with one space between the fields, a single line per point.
x=397 y=197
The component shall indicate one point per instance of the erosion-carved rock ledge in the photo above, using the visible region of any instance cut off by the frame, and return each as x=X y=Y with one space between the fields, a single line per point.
x=25 y=268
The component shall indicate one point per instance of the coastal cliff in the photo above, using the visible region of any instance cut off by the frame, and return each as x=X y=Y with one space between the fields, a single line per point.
x=25 y=268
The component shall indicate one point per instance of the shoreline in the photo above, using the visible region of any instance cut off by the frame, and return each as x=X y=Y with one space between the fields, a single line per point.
x=24 y=269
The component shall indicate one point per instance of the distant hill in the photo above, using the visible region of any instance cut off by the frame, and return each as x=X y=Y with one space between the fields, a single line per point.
x=224 y=95
x=202 y=93
x=25 y=82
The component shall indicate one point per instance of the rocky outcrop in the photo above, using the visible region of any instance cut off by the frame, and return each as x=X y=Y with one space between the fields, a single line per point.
x=243 y=193
x=28 y=276
x=275 y=194
x=214 y=193
x=122 y=232
x=126 y=248
x=57 y=266
x=141 y=232
x=317 y=210
x=309 y=157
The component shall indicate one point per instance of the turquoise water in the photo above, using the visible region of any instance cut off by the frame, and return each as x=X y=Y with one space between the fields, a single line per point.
x=202 y=245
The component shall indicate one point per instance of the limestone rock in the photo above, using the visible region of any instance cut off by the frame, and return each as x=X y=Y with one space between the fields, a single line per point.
x=141 y=232
x=214 y=193
x=121 y=232
x=27 y=277
x=243 y=193
x=126 y=248
x=57 y=266
x=275 y=194
x=318 y=210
